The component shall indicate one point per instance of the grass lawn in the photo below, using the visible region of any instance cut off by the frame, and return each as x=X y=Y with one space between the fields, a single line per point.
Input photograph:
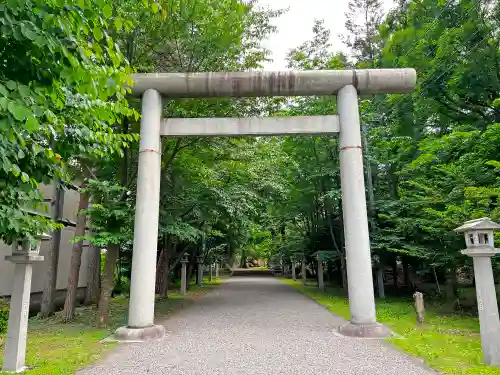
x=448 y=343
x=56 y=348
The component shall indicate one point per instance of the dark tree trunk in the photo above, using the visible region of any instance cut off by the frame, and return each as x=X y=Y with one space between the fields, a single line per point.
x=52 y=256
x=395 y=274
x=93 y=276
x=166 y=272
x=160 y=268
x=108 y=282
x=76 y=256
x=407 y=273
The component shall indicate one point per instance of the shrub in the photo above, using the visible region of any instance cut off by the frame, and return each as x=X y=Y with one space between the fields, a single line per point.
x=4 y=316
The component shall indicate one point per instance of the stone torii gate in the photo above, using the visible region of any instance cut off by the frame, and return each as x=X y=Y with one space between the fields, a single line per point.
x=345 y=84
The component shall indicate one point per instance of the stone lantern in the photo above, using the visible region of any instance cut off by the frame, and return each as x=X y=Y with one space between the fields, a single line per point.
x=184 y=262
x=24 y=254
x=200 y=259
x=480 y=246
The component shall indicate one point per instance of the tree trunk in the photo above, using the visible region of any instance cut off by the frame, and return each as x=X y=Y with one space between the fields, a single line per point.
x=159 y=271
x=76 y=256
x=343 y=269
x=380 y=281
x=407 y=273
x=52 y=256
x=452 y=290
x=93 y=276
x=436 y=280
x=395 y=275
x=166 y=271
x=108 y=282
x=190 y=269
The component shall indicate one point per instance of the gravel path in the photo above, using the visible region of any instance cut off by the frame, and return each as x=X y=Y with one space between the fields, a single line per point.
x=256 y=326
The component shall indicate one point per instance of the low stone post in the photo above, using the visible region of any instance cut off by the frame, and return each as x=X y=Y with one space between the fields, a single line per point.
x=419 y=307
x=23 y=256
x=199 y=260
x=294 y=276
x=321 y=283
x=184 y=262
x=480 y=246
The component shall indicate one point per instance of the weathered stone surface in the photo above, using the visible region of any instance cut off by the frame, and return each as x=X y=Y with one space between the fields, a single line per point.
x=127 y=334
x=367 y=331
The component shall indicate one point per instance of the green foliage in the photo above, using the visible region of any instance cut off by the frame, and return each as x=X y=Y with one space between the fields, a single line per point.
x=61 y=90
x=4 y=316
x=111 y=214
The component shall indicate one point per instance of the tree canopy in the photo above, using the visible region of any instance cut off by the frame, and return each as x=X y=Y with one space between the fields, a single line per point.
x=430 y=156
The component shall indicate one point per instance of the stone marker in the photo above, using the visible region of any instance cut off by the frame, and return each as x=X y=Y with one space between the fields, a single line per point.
x=480 y=246
x=23 y=256
x=419 y=307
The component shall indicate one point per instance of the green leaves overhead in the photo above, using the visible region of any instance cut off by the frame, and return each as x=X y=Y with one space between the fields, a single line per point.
x=56 y=104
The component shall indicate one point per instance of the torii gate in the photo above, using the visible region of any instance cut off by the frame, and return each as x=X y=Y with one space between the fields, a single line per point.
x=346 y=84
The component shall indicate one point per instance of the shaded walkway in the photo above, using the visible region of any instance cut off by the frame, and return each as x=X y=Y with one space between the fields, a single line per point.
x=256 y=326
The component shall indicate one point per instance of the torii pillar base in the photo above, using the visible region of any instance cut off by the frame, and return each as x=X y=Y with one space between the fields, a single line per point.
x=366 y=331
x=129 y=334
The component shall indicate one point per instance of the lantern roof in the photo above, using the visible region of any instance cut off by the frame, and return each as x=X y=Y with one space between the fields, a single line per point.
x=484 y=223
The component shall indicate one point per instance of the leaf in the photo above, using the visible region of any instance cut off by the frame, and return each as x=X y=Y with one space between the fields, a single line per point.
x=32 y=124
x=20 y=112
x=3 y=90
x=15 y=170
x=98 y=34
x=118 y=24
x=107 y=11
x=11 y=85
x=24 y=177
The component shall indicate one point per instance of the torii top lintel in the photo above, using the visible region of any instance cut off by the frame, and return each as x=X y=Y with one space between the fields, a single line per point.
x=265 y=83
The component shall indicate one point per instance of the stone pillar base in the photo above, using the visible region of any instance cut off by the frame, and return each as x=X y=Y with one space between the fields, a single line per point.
x=127 y=334
x=367 y=331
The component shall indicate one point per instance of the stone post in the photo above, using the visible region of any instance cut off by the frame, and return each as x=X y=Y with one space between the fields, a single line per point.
x=294 y=276
x=321 y=283
x=143 y=278
x=363 y=321
x=199 y=260
x=480 y=246
x=184 y=262
x=23 y=258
